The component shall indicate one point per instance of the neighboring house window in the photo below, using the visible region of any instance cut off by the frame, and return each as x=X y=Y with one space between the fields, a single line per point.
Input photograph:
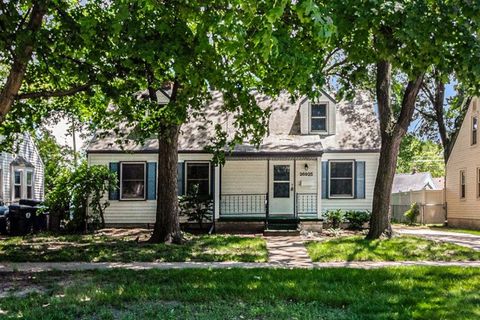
x=29 y=184
x=198 y=175
x=478 y=183
x=318 y=118
x=17 y=184
x=474 y=129
x=132 y=181
x=341 y=179
x=462 y=184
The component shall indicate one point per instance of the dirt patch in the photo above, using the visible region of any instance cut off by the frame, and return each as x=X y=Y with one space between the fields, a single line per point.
x=128 y=234
x=19 y=285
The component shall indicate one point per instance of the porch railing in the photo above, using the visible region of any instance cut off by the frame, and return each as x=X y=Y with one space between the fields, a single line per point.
x=306 y=204
x=243 y=204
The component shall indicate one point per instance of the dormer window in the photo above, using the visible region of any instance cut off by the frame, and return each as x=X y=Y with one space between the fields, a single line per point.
x=318 y=117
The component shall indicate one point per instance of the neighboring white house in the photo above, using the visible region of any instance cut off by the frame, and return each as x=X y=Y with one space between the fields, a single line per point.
x=463 y=172
x=21 y=173
x=318 y=155
x=416 y=181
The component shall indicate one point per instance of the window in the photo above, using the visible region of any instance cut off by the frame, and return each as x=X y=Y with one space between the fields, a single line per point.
x=341 y=179
x=29 y=185
x=462 y=184
x=474 y=130
x=478 y=183
x=198 y=176
x=17 y=184
x=281 y=181
x=132 y=178
x=318 y=118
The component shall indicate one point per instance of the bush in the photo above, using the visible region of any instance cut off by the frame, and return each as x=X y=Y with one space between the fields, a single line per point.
x=197 y=208
x=356 y=219
x=334 y=218
x=78 y=197
x=412 y=213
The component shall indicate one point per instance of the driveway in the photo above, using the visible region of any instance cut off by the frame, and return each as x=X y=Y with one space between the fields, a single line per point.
x=462 y=239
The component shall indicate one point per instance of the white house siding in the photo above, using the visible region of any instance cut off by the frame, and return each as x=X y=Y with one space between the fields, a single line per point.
x=244 y=177
x=464 y=156
x=134 y=212
x=371 y=166
x=29 y=152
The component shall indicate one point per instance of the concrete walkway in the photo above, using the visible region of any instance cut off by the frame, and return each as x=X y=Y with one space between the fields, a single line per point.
x=288 y=251
x=82 y=266
x=462 y=239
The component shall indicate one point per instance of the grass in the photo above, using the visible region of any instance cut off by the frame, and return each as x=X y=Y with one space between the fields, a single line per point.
x=387 y=293
x=101 y=248
x=396 y=249
x=468 y=231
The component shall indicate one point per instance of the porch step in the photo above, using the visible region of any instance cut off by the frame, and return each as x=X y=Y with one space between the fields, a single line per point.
x=282 y=226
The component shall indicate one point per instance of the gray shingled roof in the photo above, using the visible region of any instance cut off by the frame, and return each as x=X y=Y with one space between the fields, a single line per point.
x=404 y=182
x=357 y=129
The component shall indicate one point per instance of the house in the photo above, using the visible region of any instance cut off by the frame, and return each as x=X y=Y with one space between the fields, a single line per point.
x=415 y=181
x=21 y=172
x=318 y=155
x=462 y=189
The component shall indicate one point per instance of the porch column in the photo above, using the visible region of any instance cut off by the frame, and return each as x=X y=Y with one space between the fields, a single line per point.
x=216 y=209
x=319 y=187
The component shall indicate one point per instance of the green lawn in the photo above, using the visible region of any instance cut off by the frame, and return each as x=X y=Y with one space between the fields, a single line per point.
x=97 y=248
x=396 y=249
x=387 y=293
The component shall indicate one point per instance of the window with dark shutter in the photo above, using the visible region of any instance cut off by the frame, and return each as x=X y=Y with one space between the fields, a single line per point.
x=341 y=183
x=132 y=181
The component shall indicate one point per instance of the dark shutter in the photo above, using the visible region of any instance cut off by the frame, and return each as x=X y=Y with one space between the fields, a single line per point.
x=360 y=179
x=180 y=178
x=324 y=179
x=212 y=179
x=151 y=181
x=115 y=168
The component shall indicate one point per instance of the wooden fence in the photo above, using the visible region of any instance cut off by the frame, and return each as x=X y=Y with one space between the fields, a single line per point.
x=431 y=202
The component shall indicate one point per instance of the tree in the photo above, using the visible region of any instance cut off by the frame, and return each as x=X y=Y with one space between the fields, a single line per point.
x=400 y=41
x=420 y=155
x=41 y=54
x=439 y=120
x=189 y=49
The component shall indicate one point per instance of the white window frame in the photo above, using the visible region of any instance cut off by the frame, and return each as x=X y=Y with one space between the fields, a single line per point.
x=330 y=178
x=144 y=181
x=209 y=175
x=474 y=131
x=14 y=184
x=31 y=185
x=463 y=182
x=310 y=117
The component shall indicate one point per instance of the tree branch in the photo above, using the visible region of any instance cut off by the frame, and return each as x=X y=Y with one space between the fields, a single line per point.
x=54 y=93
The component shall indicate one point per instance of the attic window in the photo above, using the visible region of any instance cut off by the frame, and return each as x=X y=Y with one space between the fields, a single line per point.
x=318 y=118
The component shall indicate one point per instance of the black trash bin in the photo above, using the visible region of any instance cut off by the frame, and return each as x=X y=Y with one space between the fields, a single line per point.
x=20 y=218
x=26 y=217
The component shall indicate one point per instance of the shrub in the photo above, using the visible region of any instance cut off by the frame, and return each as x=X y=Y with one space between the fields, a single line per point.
x=197 y=208
x=412 y=213
x=356 y=219
x=75 y=192
x=334 y=218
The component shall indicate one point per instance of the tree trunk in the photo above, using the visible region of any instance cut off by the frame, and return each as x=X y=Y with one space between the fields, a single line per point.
x=167 y=227
x=380 y=219
x=23 y=55
x=392 y=132
x=439 y=115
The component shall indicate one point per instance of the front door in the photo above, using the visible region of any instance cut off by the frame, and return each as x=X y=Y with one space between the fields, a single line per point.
x=281 y=188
